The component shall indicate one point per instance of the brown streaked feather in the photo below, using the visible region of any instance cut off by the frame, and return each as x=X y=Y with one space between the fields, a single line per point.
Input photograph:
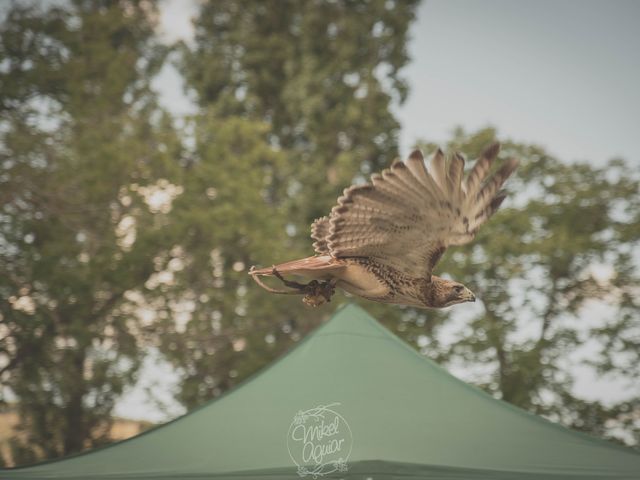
x=406 y=179
x=438 y=171
x=480 y=169
x=496 y=181
x=418 y=169
x=490 y=197
x=436 y=255
x=454 y=179
x=416 y=165
x=319 y=232
x=318 y=266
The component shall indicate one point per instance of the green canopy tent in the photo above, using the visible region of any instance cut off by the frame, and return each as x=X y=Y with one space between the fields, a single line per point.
x=351 y=401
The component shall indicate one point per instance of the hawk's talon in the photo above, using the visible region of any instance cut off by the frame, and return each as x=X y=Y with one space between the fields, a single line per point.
x=319 y=292
x=316 y=292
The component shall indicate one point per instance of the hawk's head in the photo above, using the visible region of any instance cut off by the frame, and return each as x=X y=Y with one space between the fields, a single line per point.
x=441 y=293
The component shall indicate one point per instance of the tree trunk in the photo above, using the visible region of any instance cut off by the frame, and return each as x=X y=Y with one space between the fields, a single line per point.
x=75 y=423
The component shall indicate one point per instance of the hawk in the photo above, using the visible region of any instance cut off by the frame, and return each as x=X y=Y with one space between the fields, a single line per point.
x=384 y=238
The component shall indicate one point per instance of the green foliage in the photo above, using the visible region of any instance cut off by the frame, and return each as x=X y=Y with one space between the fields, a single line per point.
x=323 y=75
x=79 y=127
x=215 y=325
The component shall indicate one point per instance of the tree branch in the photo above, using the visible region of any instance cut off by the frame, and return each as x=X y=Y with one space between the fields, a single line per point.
x=548 y=313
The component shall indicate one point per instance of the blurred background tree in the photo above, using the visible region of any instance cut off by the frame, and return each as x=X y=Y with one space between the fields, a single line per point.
x=84 y=148
x=120 y=232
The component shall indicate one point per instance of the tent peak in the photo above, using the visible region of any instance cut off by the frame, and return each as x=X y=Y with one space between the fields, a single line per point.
x=352 y=319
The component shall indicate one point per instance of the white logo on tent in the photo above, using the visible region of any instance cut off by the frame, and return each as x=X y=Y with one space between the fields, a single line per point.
x=319 y=441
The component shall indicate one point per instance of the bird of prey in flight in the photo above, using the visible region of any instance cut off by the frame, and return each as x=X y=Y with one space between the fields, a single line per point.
x=383 y=239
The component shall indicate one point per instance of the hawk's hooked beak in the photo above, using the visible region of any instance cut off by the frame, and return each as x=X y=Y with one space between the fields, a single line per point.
x=468 y=295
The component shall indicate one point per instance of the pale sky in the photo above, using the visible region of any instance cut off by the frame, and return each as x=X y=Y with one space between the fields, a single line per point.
x=564 y=74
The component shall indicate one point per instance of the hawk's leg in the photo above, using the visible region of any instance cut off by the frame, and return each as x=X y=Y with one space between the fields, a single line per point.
x=315 y=293
x=290 y=283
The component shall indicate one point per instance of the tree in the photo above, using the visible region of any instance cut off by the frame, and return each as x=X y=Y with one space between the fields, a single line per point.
x=294 y=103
x=212 y=324
x=80 y=130
x=561 y=246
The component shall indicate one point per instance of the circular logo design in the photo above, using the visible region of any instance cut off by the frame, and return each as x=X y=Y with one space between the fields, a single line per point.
x=319 y=441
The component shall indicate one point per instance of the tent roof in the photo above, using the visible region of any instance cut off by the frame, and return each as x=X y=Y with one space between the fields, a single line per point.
x=384 y=411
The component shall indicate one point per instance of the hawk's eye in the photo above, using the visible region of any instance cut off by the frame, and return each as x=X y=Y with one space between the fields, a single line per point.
x=458 y=288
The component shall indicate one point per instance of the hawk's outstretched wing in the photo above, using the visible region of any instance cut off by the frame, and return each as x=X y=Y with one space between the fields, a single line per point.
x=408 y=215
